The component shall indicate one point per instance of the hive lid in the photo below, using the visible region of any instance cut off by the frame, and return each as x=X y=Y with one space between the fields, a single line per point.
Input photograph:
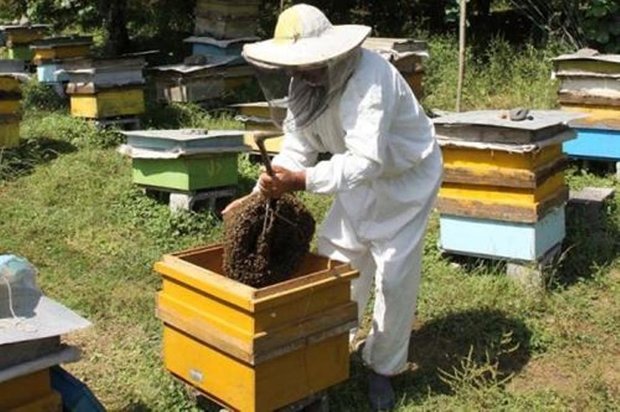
x=183 y=135
x=588 y=54
x=495 y=126
x=12 y=27
x=541 y=119
x=51 y=42
x=400 y=45
x=224 y=43
x=182 y=68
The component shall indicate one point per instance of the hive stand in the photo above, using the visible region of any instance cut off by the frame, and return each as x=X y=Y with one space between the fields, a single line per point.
x=535 y=275
x=590 y=202
x=178 y=201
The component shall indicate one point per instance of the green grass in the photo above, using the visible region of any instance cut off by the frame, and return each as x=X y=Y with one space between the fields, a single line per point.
x=481 y=342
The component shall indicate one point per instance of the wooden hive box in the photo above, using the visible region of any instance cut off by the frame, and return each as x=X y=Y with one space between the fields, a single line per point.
x=598 y=134
x=588 y=78
x=407 y=55
x=255 y=349
x=209 y=159
x=20 y=53
x=209 y=46
x=492 y=165
x=225 y=19
x=499 y=239
x=503 y=203
x=51 y=72
x=23 y=34
x=108 y=102
x=9 y=66
x=30 y=393
x=191 y=83
x=58 y=48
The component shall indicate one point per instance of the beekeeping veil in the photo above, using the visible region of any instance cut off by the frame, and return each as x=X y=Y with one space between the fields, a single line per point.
x=307 y=64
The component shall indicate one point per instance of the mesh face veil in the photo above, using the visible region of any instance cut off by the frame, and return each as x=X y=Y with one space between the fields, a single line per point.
x=306 y=91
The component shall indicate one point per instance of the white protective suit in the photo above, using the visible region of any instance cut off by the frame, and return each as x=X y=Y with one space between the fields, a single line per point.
x=385 y=173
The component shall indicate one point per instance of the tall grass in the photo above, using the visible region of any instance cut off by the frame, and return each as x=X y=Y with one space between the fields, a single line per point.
x=499 y=76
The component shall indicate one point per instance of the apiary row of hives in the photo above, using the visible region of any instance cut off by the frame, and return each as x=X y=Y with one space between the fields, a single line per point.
x=19 y=37
x=590 y=84
x=215 y=66
x=504 y=191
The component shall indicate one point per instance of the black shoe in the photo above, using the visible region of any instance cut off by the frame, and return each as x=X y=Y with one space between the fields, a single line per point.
x=380 y=392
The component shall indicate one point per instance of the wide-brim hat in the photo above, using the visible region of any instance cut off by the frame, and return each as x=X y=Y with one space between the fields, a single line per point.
x=304 y=37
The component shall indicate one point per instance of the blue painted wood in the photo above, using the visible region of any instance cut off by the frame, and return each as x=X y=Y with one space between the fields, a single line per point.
x=502 y=240
x=46 y=73
x=595 y=144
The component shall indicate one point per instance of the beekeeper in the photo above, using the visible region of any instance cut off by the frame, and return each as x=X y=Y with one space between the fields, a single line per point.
x=384 y=172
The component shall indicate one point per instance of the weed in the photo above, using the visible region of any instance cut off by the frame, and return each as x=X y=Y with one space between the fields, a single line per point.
x=38 y=96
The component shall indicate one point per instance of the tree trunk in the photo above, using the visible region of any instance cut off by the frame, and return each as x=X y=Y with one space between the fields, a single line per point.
x=114 y=13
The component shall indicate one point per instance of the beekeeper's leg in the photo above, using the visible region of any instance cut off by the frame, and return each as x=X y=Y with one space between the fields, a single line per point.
x=337 y=240
x=397 y=280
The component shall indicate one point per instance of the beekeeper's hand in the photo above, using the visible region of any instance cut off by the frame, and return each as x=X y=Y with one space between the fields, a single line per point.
x=282 y=182
x=234 y=204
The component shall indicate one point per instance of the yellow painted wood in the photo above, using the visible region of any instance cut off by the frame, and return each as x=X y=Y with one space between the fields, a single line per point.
x=484 y=160
x=9 y=84
x=240 y=345
x=503 y=195
x=25 y=35
x=266 y=387
x=49 y=403
x=61 y=52
x=109 y=103
x=9 y=134
x=608 y=115
x=273 y=145
x=10 y=106
x=24 y=390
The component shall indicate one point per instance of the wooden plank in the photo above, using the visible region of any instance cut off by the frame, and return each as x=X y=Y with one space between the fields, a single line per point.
x=9 y=84
x=595 y=143
x=24 y=390
x=49 y=403
x=503 y=195
x=584 y=99
x=504 y=212
x=500 y=239
x=10 y=106
x=517 y=178
x=586 y=67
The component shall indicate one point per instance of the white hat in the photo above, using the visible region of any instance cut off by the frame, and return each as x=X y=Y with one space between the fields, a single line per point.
x=25 y=313
x=305 y=37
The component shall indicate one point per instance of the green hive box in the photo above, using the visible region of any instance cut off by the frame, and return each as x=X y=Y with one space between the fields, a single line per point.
x=188 y=173
x=21 y=53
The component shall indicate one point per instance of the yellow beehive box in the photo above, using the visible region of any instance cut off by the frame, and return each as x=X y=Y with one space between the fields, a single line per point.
x=23 y=34
x=503 y=203
x=30 y=393
x=108 y=103
x=255 y=349
x=468 y=165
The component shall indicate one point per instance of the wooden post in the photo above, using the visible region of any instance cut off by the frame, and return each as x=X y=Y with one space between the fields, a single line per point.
x=462 y=24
